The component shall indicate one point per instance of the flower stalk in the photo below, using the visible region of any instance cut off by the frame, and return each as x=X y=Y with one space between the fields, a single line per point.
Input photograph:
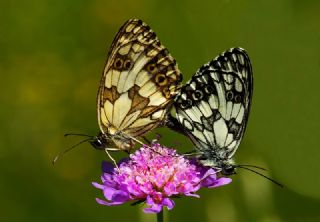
x=160 y=216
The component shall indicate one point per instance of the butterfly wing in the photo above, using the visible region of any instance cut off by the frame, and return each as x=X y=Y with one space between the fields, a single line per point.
x=234 y=60
x=139 y=82
x=213 y=107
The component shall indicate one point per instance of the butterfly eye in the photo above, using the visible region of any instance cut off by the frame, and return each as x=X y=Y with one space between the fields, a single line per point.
x=229 y=95
x=127 y=64
x=118 y=63
x=97 y=144
x=161 y=79
x=228 y=170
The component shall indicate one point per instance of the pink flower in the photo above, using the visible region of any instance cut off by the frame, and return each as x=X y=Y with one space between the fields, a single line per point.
x=155 y=175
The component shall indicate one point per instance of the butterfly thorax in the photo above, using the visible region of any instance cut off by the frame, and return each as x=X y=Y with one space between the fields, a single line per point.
x=219 y=161
x=112 y=131
x=120 y=139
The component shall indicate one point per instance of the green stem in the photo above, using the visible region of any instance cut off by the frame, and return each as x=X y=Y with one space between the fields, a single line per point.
x=160 y=216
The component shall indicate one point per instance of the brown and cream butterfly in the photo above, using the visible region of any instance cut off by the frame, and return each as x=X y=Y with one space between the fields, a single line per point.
x=137 y=88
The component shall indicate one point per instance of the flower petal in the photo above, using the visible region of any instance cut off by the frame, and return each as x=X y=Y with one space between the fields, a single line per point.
x=192 y=195
x=97 y=185
x=209 y=178
x=149 y=200
x=102 y=202
x=123 y=160
x=120 y=196
x=220 y=182
x=168 y=203
x=155 y=208
x=108 y=192
x=107 y=167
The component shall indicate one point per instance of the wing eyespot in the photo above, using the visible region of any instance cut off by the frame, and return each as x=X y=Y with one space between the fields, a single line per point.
x=186 y=104
x=229 y=95
x=161 y=79
x=237 y=98
x=127 y=64
x=209 y=89
x=197 y=95
x=151 y=68
x=118 y=63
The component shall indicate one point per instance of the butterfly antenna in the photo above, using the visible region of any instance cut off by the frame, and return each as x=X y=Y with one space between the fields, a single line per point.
x=256 y=172
x=69 y=149
x=76 y=134
x=253 y=166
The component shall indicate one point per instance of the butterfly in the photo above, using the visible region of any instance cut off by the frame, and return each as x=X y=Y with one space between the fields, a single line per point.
x=137 y=87
x=212 y=108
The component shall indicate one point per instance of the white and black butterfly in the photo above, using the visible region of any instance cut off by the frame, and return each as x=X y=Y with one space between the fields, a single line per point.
x=137 y=87
x=213 y=108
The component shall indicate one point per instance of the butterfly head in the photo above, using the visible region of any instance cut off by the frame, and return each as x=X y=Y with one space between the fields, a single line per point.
x=225 y=167
x=100 y=142
x=228 y=169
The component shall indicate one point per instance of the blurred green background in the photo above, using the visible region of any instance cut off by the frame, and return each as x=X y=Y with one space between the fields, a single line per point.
x=51 y=57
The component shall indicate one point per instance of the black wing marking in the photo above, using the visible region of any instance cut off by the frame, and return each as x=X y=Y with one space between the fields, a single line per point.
x=213 y=107
x=233 y=60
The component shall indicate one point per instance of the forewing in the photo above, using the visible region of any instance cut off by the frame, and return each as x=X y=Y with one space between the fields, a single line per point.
x=139 y=81
x=233 y=60
x=214 y=105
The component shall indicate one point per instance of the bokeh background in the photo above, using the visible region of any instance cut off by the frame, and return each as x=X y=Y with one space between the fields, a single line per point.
x=51 y=58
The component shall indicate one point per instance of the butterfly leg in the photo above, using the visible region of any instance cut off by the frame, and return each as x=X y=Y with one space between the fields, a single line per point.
x=111 y=158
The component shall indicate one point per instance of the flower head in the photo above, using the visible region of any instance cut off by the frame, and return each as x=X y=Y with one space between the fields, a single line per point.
x=155 y=175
